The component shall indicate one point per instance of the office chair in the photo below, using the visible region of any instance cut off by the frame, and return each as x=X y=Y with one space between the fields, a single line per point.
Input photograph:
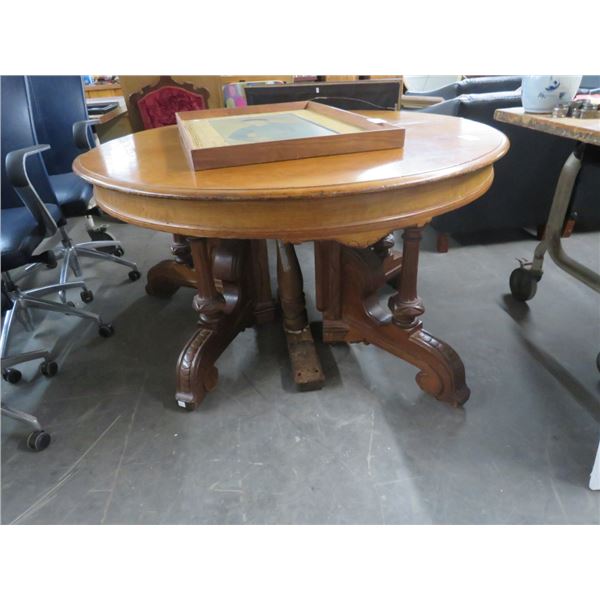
x=29 y=215
x=61 y=121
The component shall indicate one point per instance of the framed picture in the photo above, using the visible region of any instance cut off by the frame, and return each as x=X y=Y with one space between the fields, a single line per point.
x=257 y=134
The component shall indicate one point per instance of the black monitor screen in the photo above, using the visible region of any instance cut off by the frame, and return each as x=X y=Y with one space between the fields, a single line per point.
x=352 y=95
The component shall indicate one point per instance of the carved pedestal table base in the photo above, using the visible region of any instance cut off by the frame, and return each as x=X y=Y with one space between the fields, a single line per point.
x=352 y=297
x=234 y=292
x=353 y=291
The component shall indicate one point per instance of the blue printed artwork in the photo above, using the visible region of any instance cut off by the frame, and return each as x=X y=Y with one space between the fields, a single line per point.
x=267 y=127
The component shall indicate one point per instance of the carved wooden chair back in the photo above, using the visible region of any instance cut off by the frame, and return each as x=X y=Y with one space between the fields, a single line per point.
x=156 y=105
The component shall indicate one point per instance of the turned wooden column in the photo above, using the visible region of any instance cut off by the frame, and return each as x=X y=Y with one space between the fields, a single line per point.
x=180 y=249
x=406 y=306
x=291 y=292
x=208 y=302
x=384 y=246
x=306 y=366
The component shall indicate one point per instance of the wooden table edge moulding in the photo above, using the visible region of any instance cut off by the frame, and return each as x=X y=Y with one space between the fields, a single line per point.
x=348 y=205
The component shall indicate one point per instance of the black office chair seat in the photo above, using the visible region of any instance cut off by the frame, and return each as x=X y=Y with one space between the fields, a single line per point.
x=21 y=234
x=72 y=193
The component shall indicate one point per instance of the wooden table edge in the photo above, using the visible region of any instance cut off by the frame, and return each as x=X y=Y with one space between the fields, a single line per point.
x=334 y=190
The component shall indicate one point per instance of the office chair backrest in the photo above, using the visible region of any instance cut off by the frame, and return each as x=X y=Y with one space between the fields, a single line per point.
x=57 y=103
x=17 y=132
x=348 y=95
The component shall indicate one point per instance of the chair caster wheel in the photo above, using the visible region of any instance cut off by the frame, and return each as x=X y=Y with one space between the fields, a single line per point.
x=523 y=284
x=38 y=440
x=100 y=235
x=49 y=369
x=51 y=262
x=134 y=275
x=11 y=375
x=106 y=330
x=87 y=296
x=118 y=251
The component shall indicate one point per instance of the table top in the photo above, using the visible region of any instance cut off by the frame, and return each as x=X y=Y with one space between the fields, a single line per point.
x=582 y=130
x=153 y=162
x=356 y=199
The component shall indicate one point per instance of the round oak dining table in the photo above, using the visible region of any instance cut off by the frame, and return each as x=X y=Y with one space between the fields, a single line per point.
x=348 y=205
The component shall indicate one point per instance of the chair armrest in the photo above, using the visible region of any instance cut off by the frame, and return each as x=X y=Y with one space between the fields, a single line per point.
x=410 y=101
x=16 y=164
x=16 y=171
x=81 y=133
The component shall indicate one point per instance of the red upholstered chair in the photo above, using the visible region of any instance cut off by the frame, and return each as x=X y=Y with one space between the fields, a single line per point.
x=157 y=104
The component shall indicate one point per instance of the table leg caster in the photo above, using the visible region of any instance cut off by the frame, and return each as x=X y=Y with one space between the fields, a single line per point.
x=523 y=284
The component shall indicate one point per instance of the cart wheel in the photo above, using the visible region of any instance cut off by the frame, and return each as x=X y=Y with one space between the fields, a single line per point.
x=38 y=440
x=523 y=284
x=49 y=369
x=11 y=375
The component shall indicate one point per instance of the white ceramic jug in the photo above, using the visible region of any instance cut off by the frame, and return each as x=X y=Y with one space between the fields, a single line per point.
x=541 y=93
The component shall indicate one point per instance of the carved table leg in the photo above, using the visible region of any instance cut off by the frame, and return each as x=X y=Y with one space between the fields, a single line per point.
x=306 y=366
x=223 y=313
x=359 y=314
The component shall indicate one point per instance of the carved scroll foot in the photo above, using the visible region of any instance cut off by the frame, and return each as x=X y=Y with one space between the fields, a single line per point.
x=196 y=371
x=441 y=374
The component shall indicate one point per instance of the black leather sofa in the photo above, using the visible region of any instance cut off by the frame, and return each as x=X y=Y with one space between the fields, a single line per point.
x=473 y=85
x=523 y=187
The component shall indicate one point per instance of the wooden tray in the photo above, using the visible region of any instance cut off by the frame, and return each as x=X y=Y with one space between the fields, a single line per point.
x=228 y=137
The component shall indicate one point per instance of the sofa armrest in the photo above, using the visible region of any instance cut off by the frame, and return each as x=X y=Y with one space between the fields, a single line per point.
x=410 y=101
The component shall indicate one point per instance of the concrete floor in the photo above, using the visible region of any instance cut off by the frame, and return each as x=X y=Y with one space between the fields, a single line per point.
x=369 y=447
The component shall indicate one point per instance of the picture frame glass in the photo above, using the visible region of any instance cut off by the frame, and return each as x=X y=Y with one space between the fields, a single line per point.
x=267 y=127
